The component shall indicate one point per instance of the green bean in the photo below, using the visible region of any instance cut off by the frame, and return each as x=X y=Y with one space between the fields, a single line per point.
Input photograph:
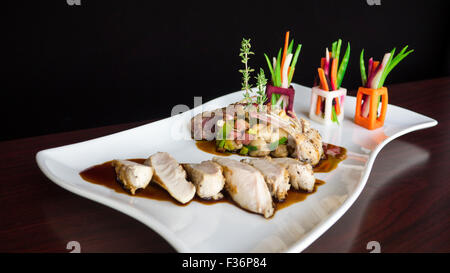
x=362 y=68
x=384 y=74
x=343 y=66
x=338 y=49
x=394 y=62
x=270 y=68
x=294 y=63
x=278 y=69
x=333 y=49
x=291 y=46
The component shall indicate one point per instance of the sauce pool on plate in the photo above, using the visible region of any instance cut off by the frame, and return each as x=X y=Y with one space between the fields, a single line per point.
x=104 y=174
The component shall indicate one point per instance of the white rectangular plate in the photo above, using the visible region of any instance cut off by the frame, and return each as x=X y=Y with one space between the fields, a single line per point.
x=224 y=227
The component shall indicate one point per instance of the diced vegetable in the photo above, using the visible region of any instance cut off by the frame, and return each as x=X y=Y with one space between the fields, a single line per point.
x=251 y=148
x=282 y=140
x=229 y=145
x=243 y=151
x=220 y=143
x=275 y=144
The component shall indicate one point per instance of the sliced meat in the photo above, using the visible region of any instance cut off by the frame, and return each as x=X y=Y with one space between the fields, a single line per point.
x=132 y=175
x=207 y=178
x=171 y=176
x=246 y=186
x=301 y=175
x=276 y=176
x=306 y=146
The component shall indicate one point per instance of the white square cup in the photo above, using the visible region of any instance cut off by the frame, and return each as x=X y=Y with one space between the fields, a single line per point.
x=329 y=96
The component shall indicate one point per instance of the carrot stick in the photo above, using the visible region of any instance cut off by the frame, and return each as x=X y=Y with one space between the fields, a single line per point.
x=322 y=62
x=286 y=45
x=323 y=80
x=375 y=65
x=323 y=86
x=337 y=106
x=318 y=105
x=334 y=65
x=333 y=78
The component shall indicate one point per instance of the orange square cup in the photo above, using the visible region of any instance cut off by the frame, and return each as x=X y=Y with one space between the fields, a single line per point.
x=372 y=121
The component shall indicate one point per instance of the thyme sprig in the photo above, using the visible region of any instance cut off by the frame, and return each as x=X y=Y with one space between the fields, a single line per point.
x=245 y=56
x=261 y=82
x=260 y=78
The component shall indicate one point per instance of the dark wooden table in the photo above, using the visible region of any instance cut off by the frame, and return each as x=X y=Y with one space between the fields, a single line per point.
x=405 y=205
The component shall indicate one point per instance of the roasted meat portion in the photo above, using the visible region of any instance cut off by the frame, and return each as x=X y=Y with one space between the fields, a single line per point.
x=246 y=186
x=132 y=175
x=301 y=175
x=276 y=176
x=171 y=176
x=207 y=178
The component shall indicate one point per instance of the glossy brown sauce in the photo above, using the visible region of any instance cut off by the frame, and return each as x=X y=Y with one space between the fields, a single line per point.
x=209 y=147
x=104 y=174
x=324 y=166
x=295 y=196
x=331 y=162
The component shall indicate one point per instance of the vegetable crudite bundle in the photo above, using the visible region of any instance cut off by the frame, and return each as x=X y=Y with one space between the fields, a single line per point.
x=327 y=99
x=279 y=90
x=372 y=98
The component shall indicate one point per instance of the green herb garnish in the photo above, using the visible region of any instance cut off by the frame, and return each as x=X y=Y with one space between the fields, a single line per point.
x=261 y=80
x=261 y=83
x=245 y=56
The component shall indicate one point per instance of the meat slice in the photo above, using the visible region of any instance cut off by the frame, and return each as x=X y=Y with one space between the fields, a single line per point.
x=171 y=176
x=306 y=146
x=246 y=186
x=132 y=175
x=301 y=175
x=276 y=176
x=207 y=178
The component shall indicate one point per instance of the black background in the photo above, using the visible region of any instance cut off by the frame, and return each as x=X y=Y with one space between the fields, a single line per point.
x=107 y=62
